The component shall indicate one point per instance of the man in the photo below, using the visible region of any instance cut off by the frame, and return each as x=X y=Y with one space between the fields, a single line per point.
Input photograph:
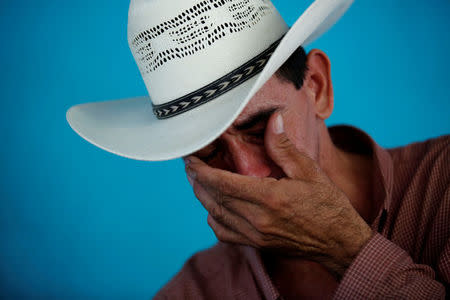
x=301 y=211
x=312 y=199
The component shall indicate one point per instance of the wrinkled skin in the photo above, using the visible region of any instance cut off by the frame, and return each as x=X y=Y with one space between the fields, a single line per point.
x=279 y=184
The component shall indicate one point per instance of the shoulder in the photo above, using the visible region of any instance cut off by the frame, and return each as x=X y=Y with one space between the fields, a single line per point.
x=417 y=152
x=423 y=166
x=420 y=201
x=427 y=161
x=203 y=273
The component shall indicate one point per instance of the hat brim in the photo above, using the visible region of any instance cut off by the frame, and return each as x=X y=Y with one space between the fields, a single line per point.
x=129 y=128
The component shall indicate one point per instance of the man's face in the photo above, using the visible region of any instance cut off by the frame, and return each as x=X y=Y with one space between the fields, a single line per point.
x=241 y=149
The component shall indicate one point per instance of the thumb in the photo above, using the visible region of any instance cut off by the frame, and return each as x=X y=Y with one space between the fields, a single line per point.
x=284 y=153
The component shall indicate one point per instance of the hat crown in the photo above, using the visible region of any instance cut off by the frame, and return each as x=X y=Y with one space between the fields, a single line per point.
x=181 y=46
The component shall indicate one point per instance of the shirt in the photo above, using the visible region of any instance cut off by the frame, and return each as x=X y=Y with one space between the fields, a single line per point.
x=408 y=256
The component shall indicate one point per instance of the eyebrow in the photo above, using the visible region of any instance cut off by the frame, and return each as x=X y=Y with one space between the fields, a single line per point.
x=255 y=119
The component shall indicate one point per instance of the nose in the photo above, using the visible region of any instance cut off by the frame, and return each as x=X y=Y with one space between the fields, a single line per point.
x=246 y=158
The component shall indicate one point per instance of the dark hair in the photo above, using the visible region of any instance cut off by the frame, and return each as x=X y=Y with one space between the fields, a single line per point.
x=295 y=68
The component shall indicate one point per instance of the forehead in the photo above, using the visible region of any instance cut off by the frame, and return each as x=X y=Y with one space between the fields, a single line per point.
x=269 y=96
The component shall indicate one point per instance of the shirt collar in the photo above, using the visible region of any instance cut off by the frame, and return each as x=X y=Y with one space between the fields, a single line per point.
x=354 y=140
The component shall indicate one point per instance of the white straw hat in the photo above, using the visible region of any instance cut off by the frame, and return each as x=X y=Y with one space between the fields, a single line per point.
x=202 y=61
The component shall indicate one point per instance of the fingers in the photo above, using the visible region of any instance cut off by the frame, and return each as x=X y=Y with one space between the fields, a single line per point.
x=243 y=187
x=227 y=235
x=236 y=214
x=284 y=153
x=233 y=219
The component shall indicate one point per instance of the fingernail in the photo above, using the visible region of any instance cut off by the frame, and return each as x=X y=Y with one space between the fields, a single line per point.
x=190 y=176
x=279 y=126
x=190 y=173
x=191 y=181
x=187 y=160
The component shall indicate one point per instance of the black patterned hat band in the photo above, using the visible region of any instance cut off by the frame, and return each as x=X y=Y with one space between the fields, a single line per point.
x=216 y=88
x=201 y=50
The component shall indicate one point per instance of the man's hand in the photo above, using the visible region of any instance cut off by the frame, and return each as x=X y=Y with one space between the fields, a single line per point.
x=304 y=215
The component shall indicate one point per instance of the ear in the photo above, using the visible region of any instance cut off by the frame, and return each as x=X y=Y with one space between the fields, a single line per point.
x=318 y=81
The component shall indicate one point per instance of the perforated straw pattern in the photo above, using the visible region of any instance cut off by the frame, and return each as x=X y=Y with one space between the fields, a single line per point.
x=195 y=29
x=216 y=88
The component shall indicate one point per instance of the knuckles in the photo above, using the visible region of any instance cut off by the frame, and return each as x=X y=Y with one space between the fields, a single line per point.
x=219 y=231
x=262 y=224
x=265 y=241
x=271 y=198
x=217 y=213
x=278 y=197
x=286 y=145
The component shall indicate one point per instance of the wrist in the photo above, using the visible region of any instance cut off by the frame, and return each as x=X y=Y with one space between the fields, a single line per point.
x=354 y=242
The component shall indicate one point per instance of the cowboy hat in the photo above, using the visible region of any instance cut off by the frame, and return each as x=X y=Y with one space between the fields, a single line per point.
x=202 y=61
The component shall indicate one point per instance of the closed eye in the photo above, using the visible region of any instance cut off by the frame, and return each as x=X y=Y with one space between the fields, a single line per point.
x=209 y=156
x=256 y=134
x=207 y=153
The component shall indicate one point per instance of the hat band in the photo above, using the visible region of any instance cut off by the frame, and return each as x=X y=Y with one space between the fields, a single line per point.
x=216 y=88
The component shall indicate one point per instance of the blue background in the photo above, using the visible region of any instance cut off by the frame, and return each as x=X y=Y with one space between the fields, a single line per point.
x=80 y=223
